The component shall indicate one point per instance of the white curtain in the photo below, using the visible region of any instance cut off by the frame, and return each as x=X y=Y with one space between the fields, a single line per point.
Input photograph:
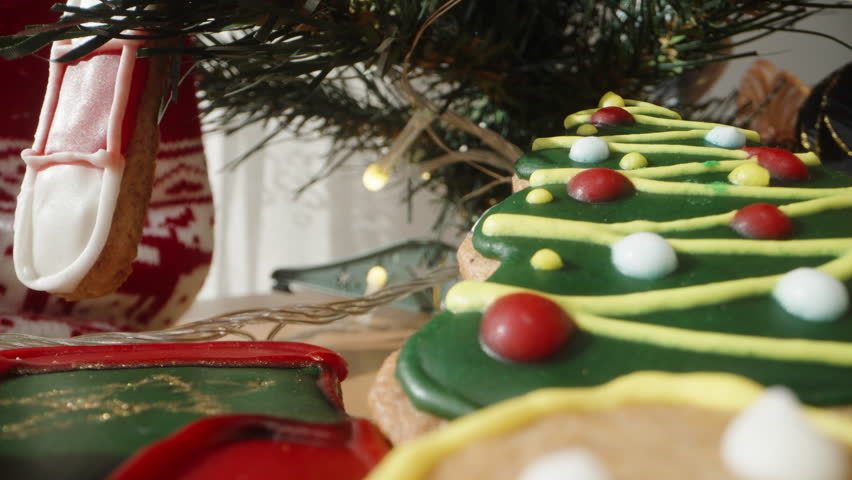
x=260 y=226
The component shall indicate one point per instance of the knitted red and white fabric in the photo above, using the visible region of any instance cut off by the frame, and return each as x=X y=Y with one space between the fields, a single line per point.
x=177 y=240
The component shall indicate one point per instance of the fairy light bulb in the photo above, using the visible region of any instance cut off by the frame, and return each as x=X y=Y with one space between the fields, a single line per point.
x=375 y=177
x=377 y=278
x=377 y=174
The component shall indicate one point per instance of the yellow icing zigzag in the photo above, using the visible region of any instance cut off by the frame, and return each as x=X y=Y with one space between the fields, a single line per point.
x=528 y=226
x=784 y=349
x=669 y=121
x=717 y=152
x=519 y=225
x=650 y=108
x=660 y=137
x=713 y=391
x=584 y=116
x=697 y=168
x=516 y=225
x=477 y=296
x=564 y=175
x=469 y=295
x=634 y=107
x=792 y=210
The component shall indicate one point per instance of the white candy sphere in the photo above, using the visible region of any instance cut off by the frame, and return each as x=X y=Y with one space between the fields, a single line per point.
x=644 y=255
x=726 y=137
x=575 y=464
x=812 y=295
x=772 y=440
x=589 y=150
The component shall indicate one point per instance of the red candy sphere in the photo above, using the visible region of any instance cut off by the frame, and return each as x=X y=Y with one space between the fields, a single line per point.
x=612 y=116
x=782 y=164
x=762 y=221
x=524 y=327
x=599 y=185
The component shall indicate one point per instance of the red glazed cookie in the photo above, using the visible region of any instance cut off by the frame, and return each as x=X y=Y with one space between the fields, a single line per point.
x=219 y=410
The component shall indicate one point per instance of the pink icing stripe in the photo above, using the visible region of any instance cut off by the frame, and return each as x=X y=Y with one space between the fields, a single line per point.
x=120 y=97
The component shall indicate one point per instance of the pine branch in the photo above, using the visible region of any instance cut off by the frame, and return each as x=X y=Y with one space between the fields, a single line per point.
x=511 y=68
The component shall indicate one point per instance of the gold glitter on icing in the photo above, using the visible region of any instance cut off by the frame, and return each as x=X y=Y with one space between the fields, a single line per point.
x=62 y=409
x=632 y=161
x=546 y=259
x=750 y=174
x=713 y=391
x=586 y=130
x=539 y=196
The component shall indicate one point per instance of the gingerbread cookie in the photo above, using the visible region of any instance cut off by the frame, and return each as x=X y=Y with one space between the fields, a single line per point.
x=653 y=243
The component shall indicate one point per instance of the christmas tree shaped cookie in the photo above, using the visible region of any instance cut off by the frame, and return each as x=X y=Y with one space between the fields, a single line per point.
x=645 y=242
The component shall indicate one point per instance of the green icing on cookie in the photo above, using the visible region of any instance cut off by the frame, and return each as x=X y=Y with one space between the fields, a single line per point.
x=715 y=312
x=112 y=413
x=454 y=376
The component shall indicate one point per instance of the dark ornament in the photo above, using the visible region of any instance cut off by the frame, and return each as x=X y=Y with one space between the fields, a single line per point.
x=825 y=120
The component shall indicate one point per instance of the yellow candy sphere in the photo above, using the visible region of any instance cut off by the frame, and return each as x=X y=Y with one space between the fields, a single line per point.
x=587 y=129
x=610 y=99
x=632 y=161
x=539 y=195
x=750 y=174
x=546 y=259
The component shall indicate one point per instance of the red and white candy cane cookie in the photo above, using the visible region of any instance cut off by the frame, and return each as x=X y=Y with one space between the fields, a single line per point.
x=81 y=209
